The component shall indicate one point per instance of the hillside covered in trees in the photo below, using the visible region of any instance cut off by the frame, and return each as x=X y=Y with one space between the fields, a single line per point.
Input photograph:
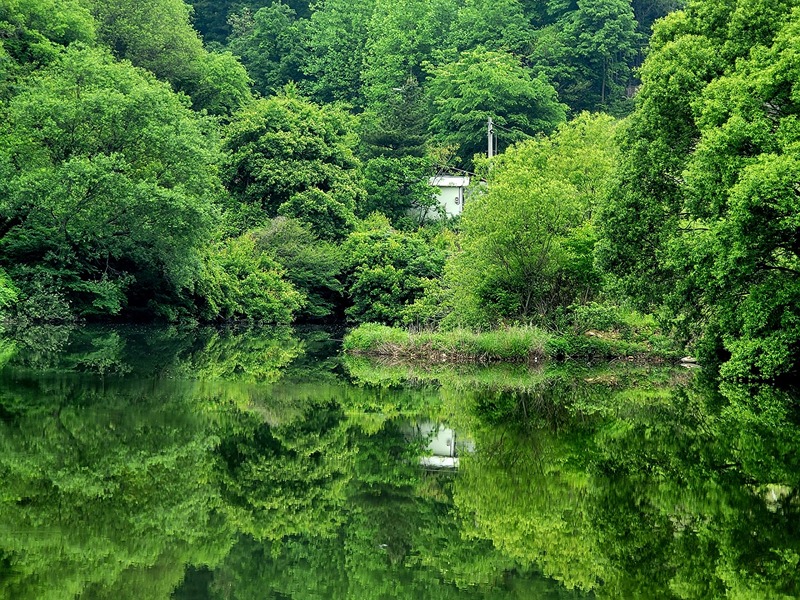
x=269 y=162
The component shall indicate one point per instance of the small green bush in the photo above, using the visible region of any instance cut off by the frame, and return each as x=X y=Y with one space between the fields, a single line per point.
x=8 y=291
x=241 y=283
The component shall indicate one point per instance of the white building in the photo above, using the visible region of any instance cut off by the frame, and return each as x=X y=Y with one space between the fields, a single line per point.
x=451 y=194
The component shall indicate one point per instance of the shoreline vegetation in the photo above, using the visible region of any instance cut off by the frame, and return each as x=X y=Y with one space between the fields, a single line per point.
x=232 y=162
x=511 y=344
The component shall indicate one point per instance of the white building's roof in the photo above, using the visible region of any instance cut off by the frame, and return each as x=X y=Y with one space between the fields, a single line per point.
x=449 y=181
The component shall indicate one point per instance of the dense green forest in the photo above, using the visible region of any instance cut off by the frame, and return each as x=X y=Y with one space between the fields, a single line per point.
x=269 y=161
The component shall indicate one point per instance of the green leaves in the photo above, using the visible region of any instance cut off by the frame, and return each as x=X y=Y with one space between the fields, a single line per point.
x=107 y=178
x=290 y=156
x=157 y=35
x=271 y=47
x=241 y=282
x=528 y=239
x=387 y=270
x=483 y=84
x=588 y=53
x=337 y=37
x=713 y=145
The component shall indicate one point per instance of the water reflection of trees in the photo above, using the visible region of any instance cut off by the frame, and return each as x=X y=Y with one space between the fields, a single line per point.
x=688 y=492
x=629 y=482
x=105 y=492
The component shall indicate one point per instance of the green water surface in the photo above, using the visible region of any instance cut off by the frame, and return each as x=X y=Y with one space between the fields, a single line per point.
x=158 y=463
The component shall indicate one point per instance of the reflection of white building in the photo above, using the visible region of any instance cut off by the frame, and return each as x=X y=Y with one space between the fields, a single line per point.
x=443 y=448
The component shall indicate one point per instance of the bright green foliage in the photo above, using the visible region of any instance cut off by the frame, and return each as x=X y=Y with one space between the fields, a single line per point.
x=337 y=39
x=153 y=34
x=239 y=281
x=221 y=85
x=330 y=215
x=589 y=52
x=216 y=19
x=483 y=84
x=289 y=156
x=106 y=489
x=703 y=222
x=386 y=270
x=398 y=187
x=493 y=24
x=7 y=68
x=287 y=477
x=518 y=344
x=8 y=292
x=528 y=241
x=270 y=45
x=402 y=35
x=31 y=29
x=107 y=180
x=311 y=265
x=33 y=32
x=157 y=35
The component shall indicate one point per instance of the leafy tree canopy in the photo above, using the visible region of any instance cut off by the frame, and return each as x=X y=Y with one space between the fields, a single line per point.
x=157 y=35
x=492 y=24
x=482 y=84
x=240 y=282
x=107 y=181
x=402 y=34
x=312 y=265
x=337 y=39
x=290 y=156
x=702 y=219
x=386 y=270
x=588 y=53
x=528 y=241
x=270 y=45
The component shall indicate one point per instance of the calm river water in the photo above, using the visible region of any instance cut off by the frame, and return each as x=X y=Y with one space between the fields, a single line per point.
x=170 y=463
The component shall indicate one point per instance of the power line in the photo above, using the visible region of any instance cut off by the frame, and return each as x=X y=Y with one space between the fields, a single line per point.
x=449 y=168
x=509 y=130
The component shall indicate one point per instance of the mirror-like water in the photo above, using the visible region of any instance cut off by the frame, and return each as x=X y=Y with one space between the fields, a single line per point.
x=203 y=464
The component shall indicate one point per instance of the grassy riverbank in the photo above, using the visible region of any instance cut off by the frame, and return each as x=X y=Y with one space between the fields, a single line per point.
x=512 y=344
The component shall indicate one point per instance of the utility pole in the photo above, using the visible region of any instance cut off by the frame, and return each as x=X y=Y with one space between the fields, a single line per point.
x=491 y=137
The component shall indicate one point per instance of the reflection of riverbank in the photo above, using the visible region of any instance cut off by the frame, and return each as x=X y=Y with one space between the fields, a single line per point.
x=121 y=464
x=388 y=372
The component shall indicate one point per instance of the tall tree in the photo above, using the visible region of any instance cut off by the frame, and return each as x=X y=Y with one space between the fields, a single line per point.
x=212 y=18
x=271 y=45
x=157 y=35
x=34 y=31
x=702 y=222
x=527 y=243
x=483 y=84
x=398 y=125
x=496 y=25
x=289 y=156
x=107 y=185
x=386 y=270
x=402 y=35
x=337 y=39
x=588 y=52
